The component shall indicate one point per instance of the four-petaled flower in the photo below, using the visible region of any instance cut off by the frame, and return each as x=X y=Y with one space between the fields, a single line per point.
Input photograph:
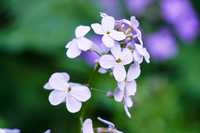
x=73 y=93
x=79 y=43
x=107 y=30
x=117 y=61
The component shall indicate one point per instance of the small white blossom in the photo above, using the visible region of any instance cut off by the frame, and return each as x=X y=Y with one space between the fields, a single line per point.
x=110 y=129
x=107 y=30
x=79 y=43
x=73 y=93
x=117 y=61
x=87 y=126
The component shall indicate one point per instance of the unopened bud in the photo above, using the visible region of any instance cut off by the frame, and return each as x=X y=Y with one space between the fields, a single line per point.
x=110 y=95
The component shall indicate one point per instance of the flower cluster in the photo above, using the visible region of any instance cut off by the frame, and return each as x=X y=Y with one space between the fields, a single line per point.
x=119 y=47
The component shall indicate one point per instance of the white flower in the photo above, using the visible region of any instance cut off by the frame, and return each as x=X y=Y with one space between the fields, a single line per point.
x=128 y=86
x=110 y=129
x=134 y=24
x=5 y=130
x=117 y=61
x=87 y=126
x=73 y=93
x=107 y=30
x=79 y=43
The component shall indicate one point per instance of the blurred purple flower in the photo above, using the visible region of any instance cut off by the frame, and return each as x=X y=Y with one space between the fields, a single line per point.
x=136 y=6
x=182 y=16
x=161 y=45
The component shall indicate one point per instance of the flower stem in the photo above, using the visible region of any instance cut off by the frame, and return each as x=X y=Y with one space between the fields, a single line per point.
x=90 y=82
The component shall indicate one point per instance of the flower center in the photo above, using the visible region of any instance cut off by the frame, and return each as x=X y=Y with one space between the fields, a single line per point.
x=126 y=79
x=119 y=60
x=108 y=32
x=69 y=89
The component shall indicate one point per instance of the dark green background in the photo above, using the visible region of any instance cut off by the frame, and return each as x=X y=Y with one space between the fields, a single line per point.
x=33 y=35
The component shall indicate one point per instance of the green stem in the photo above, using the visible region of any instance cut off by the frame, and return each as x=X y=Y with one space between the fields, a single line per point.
x=90 y=82
x=99 y=90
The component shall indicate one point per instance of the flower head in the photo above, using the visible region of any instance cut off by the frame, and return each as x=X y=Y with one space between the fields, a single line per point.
x=72 y=93
x=107 y=30
x=117 y=61
x=79 y=43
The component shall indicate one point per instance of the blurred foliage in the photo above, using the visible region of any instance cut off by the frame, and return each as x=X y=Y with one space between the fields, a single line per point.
x=33 y=35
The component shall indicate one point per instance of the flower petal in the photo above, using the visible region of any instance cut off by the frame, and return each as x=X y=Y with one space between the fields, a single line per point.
x=87 y=126
x=57 y=96
x=81 y=31
x=116 y=50
x=146 y=55
x=118 y=95
x=110 y=124
x=108 y=41
x=73 y=105
x=107 y=61
x=134 y=22
x=126 y=22
x=47 y=86
x=131 y=88
x=73 y=51
x=81 y=93
x=117 y=35
x=127 y=112
x=121 y=85
x=127 y=101
x=108 y=23
x=84 y=43
x=97 y=28
x=126 y=56
x=137 y=57
x=119 y=72
x=69 y=44
x=133 y=72
x=59 y=82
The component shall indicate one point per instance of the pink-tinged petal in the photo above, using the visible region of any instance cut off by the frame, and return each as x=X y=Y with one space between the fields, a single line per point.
x=134 y=22
x=107 y=61
x=119 y=72
x=108 y=24
x=133 y=72
x=118 y=95
x=47 y=86
x=57 y=96
x=127 y=22
x=110 y=124
x=116 y=50
x=126 y=56
x=81 y=93
x=73 y=51
x=81 y=31
x=58 y=82
x=84 y=43
x=121 y=85
x=108 y=41
x=73 y=105
x=97 y=28
x=69 y=44
x=87 y=126
x=127 y=112
x=146 y=55
x=131 y=88
x=117 y=35
x=128 y=102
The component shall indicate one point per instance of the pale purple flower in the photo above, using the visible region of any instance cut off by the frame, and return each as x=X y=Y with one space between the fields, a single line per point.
x=5 y=130
x=72 y=93
x=111 y=127
x=48 y=131
x=161 y=45
x=137 y=6
x=79 y=43
x=128 y=86
x=133 y=23
x=117 y=60
x=87 y=126
x=107 y=30
x=182 y=16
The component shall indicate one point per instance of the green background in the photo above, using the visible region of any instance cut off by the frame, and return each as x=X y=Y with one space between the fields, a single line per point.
x=33 y=35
